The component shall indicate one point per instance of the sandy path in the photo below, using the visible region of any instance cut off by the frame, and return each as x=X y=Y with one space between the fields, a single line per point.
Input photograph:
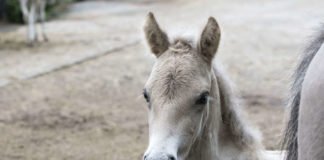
x=94 y=110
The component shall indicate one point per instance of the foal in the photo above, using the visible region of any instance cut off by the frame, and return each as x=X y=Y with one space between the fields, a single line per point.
x=192 y=112
x=34 y=10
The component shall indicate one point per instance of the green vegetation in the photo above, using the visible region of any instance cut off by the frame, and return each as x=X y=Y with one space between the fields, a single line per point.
x=14 y=15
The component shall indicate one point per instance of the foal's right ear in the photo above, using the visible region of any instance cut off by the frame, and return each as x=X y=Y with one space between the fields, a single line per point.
x=155 y=37
x=209 y=39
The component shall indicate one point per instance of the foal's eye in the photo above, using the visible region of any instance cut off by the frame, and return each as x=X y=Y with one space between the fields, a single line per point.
x=203 y=98
x=146 y=96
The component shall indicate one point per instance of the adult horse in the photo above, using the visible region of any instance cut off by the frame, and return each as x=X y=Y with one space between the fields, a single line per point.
x=192 y=111
x=304 y=137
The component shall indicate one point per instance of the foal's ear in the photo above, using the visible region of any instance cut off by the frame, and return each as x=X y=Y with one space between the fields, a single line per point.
x=156 y=38
x=209 y=39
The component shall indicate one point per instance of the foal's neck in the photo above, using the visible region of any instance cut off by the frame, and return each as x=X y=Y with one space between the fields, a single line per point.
x=225 y=135
x=206 y=145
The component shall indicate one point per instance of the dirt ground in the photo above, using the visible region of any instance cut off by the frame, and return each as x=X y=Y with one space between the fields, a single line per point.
x=93 y=109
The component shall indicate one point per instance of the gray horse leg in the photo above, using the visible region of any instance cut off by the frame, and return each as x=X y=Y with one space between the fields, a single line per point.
x=24 y=9
x=311 y=126
x=32 y=34
x=42 y=14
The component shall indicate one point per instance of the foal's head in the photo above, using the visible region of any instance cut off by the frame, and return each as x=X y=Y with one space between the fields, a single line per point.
x=178 y=89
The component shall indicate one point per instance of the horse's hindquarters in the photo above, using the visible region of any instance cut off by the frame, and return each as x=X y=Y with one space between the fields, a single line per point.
x=311 y=129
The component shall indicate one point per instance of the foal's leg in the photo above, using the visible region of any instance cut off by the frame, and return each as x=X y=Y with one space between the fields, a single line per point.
x=42 y=14
x=311 y=113
x=32 y=34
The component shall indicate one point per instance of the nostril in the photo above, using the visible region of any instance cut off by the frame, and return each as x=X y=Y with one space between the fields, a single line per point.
x=171 y=157
x=145 y=157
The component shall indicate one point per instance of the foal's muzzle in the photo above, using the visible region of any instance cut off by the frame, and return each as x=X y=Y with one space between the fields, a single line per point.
x=159 y=156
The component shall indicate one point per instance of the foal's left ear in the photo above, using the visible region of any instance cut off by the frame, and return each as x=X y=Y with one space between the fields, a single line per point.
x=209 y=39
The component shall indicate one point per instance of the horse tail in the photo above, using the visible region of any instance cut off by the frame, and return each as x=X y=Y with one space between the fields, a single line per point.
x=290 y=136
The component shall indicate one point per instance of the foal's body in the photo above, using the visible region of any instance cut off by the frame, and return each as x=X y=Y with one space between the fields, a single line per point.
x=192 y=111
x=34 y=10
x=305 y=130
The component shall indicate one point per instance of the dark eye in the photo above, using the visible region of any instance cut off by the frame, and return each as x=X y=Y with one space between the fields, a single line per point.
x=203 y=98
x=146 y=96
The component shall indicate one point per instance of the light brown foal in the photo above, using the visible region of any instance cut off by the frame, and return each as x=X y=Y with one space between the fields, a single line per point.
x=192 y=111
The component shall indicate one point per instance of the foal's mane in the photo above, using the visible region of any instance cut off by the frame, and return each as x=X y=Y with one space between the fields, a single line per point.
x=234 y=124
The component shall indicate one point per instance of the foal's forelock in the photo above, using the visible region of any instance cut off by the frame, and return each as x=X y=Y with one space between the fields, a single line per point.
x=177 y=70
x=182 y=45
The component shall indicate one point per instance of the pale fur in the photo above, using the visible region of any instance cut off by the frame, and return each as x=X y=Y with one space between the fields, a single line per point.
x=304 y=132
x=34 y=11
x=177 y=130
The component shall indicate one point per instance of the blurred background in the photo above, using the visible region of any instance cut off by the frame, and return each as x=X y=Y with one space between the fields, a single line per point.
x=79 y=95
